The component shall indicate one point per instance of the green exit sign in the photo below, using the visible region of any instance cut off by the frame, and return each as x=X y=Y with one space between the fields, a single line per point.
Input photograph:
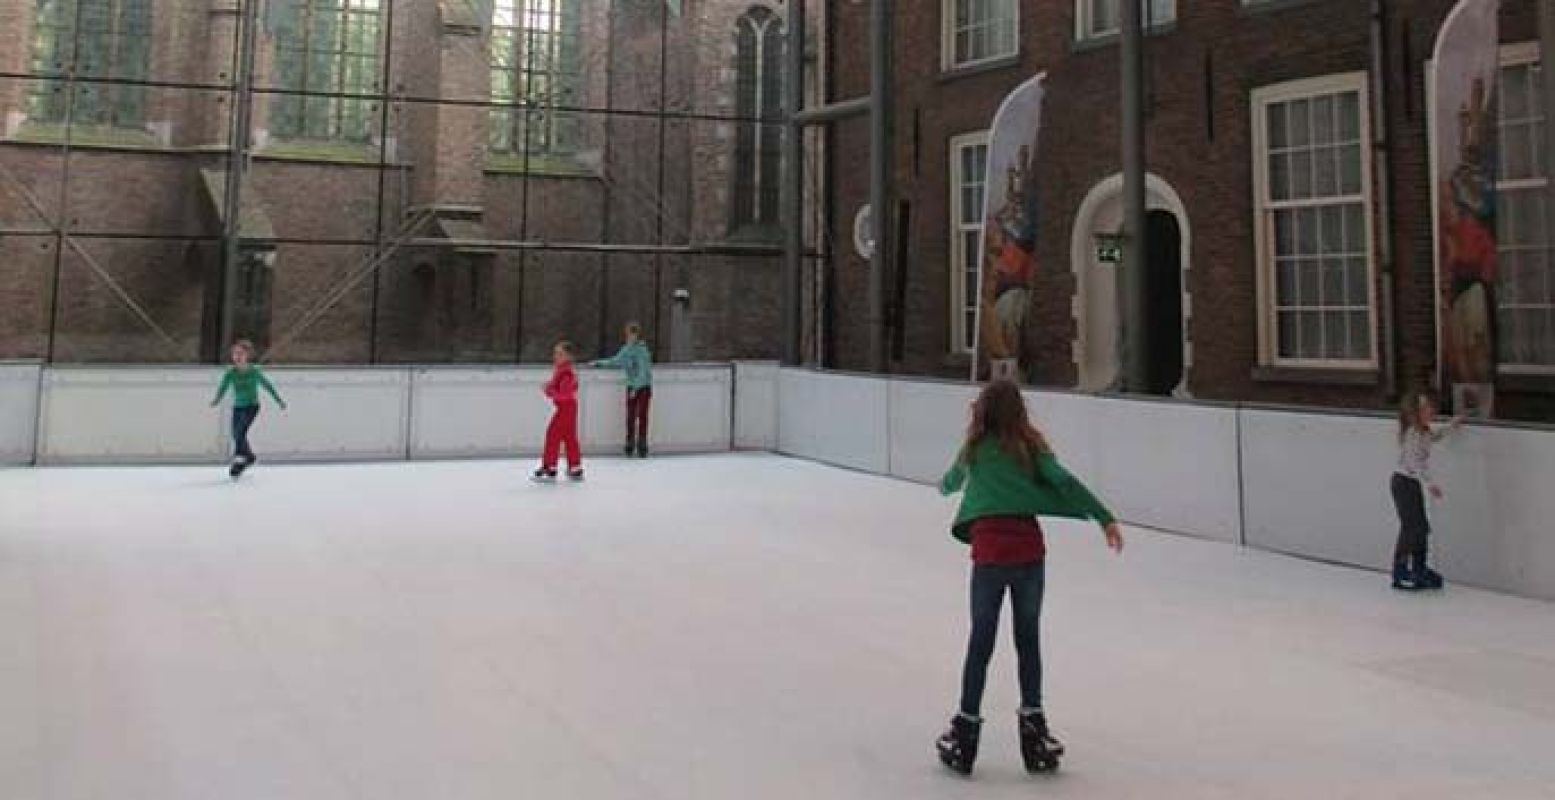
x=1109 y=249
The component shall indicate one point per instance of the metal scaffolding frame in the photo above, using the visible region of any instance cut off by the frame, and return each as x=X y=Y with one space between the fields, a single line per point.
x=671 y=238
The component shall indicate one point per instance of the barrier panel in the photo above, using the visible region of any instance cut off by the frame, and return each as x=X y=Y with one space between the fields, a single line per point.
x=474 y=412
x=836 y=419
x=129 y=414
x=358 y=413
x=756 y=405
x=927 y=425
x=691 y=410
x=18 y=411
x=1168 y=466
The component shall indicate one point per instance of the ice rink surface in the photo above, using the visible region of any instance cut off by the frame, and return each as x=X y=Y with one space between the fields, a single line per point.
x=728 y=627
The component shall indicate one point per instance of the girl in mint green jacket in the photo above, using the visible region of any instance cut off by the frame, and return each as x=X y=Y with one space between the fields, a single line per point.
x=1009 y=476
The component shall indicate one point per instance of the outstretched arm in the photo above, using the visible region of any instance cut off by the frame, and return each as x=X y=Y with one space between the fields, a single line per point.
x=613 y=361
x=269 y=388
x=1051 y=472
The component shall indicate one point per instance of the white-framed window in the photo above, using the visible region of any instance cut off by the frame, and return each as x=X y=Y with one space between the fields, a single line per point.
x=976 y=31
x=1525 y=286
x=1312 y=196
x=1096 y=19
x=968 y=176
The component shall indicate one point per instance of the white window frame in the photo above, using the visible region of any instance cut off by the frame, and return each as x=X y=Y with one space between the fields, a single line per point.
x=1517 y=55
x=948 y=38
x=959 y=302
x=1263 y=226
x=1085 y=14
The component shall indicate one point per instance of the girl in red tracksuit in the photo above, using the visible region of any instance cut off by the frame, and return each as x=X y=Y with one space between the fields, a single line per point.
x=562 y=388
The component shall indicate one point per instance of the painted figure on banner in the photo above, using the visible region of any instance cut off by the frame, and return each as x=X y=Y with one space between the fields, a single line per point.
x=1466 y=67
x=1468 y=210
x=1009 y=264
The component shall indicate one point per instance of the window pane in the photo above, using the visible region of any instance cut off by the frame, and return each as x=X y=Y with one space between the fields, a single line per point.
x=1308 y=283
x=1300 y=123
x=1301 y=174
x=1359 y=335
x=1287 y=334
x=1349 y=117
x=1278 y=136
x=1350 y=169
x=1322 y=120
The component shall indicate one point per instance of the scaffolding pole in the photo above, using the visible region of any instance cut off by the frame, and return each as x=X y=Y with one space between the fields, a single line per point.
x=1136 y=367
x=793 y=184
x=237 y=167
x=882 y=118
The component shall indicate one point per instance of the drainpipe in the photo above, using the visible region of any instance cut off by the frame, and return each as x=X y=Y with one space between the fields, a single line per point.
x=1382 y=162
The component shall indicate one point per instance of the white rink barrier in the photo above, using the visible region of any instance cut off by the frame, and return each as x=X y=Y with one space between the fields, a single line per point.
x=836 y=419
x=1316 y=485
x=756 y=405
x=161 y=414
x=1313 y=485
x=1309 y=484
x=18 y=411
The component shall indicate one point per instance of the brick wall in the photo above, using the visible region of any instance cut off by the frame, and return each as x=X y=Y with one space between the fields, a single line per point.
x=663 y=182
x=1202 y=71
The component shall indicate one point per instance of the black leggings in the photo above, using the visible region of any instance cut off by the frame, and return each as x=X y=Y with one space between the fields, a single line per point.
x=1414 y=529
x=243 y=419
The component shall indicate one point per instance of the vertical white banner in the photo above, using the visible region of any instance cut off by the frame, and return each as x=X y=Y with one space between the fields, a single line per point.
x=1465 y=71
x=1007 y=260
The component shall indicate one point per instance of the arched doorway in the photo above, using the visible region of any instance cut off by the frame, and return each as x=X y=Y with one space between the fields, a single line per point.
x=1095 y=305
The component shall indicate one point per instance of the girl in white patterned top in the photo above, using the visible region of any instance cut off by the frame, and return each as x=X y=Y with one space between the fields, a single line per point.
x=1412 y=478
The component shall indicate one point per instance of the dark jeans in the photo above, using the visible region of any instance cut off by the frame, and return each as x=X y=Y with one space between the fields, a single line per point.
x=1414 y=528
x=242 y=420
x=1025 y=582
x=637 y=402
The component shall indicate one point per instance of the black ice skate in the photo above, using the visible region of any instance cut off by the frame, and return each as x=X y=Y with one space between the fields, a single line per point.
x=958 y=745
x=631 y=447
x=239 y=465
x=642 y=449
x=544 y=475
x=1405 y=579
x=574 y=474
x=1429 y=578
x=1038 y=748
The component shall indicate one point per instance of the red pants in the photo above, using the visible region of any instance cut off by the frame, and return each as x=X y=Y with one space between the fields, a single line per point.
x=637 y=401
x=563 y=430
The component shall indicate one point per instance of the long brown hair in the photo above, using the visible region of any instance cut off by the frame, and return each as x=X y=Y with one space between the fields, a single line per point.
x=1000 y=414
x=1409 y=410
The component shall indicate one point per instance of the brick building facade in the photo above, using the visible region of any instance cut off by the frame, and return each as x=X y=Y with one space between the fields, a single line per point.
x=1217 y=70
x=523 y=169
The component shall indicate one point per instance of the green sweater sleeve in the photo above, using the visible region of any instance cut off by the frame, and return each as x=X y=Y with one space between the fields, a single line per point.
x=613 y=361
x=269 y=388
x=1049 y=471
x=954 y=478
x=221 y=390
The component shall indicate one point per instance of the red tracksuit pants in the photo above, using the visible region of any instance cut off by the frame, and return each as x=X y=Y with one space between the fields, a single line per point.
x=562 y=432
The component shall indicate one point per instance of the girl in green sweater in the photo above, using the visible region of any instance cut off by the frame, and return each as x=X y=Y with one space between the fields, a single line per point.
x=1008 y=476
x=245 y=380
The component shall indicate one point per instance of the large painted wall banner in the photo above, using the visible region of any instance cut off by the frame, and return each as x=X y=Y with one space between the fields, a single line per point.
x=1007 y=254
x=1463 y=128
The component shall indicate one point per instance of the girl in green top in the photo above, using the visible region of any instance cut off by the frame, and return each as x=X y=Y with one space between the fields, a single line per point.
x=1009 y=476
x=244 y=379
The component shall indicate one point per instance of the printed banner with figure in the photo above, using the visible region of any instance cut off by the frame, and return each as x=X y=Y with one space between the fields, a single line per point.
x=1466 y=67
x=1007 y=255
